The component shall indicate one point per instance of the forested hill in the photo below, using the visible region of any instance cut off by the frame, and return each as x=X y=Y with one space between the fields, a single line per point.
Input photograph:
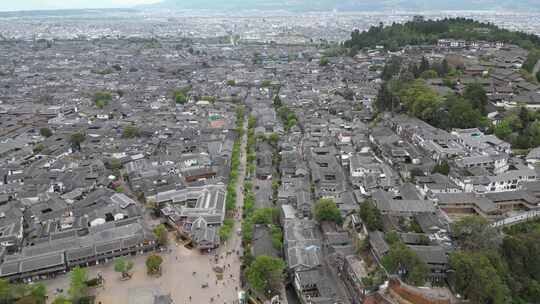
x=429 y=31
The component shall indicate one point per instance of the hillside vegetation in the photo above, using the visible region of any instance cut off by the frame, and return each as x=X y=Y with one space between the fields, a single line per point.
x=429 y=31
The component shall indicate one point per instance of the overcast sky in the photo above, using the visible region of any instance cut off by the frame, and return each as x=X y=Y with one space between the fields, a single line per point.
x=11 y=5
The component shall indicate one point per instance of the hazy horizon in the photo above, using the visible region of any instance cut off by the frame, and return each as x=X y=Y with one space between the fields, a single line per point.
x=297 y=5
x=25 y=5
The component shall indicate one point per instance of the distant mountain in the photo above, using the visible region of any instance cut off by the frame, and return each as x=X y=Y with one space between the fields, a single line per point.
x=353 y=5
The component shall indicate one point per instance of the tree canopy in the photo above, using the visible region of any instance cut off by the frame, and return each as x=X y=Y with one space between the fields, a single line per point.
x=476 y=94
x=45 y=132
x=77 y=139
x=404 y=261
x=78 y=288
x=265 y=274
x=326 y=210
x=122 y=265
x=102 y=98
x=442 y=168
x=531 y=60
x=61 y=300
x=324 y=61
x=130 y=131
x=180 y=95
x=419 y=32
x=153 y=263
x=22 y=293
x=264 y=215
x=486 y=270
x=161 y=235
x=474 y=233
x=371 y=216
x=420 y=100
x=477 y=279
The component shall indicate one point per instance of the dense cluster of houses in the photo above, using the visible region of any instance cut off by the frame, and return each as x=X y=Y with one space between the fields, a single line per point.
x=339 y=151
x=67 y=202
x=495 y=65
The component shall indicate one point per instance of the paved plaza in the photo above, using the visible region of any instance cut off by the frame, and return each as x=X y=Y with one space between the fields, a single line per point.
x=184 y=272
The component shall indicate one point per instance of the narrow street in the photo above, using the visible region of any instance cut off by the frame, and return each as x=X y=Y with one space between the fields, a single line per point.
x=235 y=242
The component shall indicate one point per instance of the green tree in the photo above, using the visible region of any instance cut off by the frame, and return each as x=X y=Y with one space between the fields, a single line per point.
x=5 y=291
x=61 y=300
x=521 y=251
x=273 y=139
x=252 y=121
x=392 y=237
x=402 y=260
x=531 y=60
x=277 y=237
x=77 y=139
x=538 y=76
x=324 y=61
x=263 y=216
x=476 y=95
x=371 y=216
x=449 y=82
x=503 y=130
x=477 y=280
x=326 y=210
x=474 y=233
x=45 y=132
x=231 y=82
x=420 y=100
x=161 y=234
x=38 y=148
x=224 y=232
x=38 y=292
x=153 y=263
x=249 y=203
x=429 y=74
x=265 y=274
x=130 y=131
x=78 y=288
x=247 y=230
x=123 y=266
x=524 y=117
x=391 y=68
x=461 y=114
x=102 y=98
x=442 y=168
x=180 y=97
